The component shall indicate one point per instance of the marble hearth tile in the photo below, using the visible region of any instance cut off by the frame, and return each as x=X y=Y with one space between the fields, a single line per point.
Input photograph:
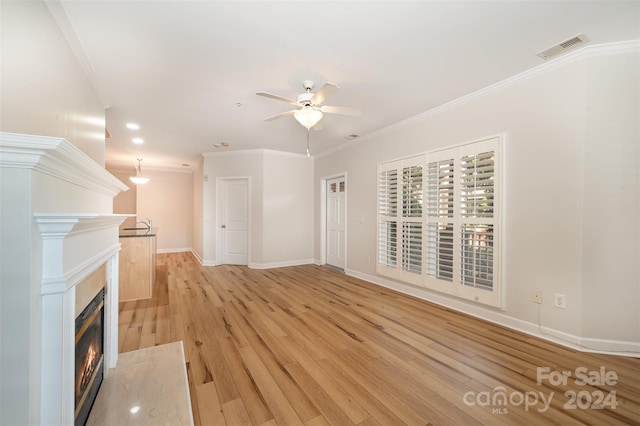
x=154 y=380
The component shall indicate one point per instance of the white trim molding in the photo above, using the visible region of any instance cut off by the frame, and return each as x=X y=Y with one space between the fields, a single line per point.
x=69 y=232
x=604 y=49
x=496 y=316
x=280 y=264
x=59 y=158
x=68 y=31
x=65 y=263
x=174 y=250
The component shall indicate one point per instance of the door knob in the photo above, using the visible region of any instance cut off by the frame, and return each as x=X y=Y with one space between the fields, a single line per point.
x=223 y=226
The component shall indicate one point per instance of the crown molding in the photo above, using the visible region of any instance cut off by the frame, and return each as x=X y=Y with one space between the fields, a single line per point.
x=618 y=48
x=119 y=168
x=589 y=51
x=258 y=151
x=66 y=27
x=59 y=158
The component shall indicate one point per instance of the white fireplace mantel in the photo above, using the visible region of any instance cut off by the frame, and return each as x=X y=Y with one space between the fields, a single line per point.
x=59 y=158
x=58 y=302
x=57 y=228
x=54 y=229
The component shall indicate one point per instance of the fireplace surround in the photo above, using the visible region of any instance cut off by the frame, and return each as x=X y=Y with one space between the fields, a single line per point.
x=57 y=229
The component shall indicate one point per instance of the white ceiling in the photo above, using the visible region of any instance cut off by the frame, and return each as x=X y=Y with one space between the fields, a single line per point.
x=181 y=68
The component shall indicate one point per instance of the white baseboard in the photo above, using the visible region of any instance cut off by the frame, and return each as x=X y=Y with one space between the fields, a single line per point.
x=202 y=261
x=174 y=250
x=603 y=346
x=493 y=315
x=280 y=264
x=197 y=256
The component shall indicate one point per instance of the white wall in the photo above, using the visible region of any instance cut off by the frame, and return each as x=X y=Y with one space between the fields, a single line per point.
x=611 y=212
x=227 y=165
x=287 y=209
x=167 y=199
x=198 y=210
x=126 y=202
x=44 y=92
x=44 y=89
x=560 y=122
x=281 y=205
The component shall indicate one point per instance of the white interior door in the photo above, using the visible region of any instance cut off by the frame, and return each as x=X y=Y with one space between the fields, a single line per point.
x=234 y=221
x=336 y=212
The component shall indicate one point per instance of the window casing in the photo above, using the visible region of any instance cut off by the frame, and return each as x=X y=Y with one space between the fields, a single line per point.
x=439 y=220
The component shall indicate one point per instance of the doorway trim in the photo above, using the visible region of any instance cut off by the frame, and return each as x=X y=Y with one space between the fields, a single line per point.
x=218 y=219
x=323 y=216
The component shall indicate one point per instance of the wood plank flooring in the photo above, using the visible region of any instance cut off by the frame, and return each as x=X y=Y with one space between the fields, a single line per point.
x=309 y=345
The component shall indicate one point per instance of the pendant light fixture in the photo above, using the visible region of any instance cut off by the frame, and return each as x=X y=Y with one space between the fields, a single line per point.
x=138 y=179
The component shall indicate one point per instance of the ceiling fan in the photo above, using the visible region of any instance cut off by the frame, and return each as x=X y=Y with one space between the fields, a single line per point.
x=311 y=108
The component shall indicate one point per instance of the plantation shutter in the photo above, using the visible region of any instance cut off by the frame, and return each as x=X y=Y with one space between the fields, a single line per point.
x=412 y=219
x=477 y=191
x=400 y=226
x=440 y=203
x=387 y=217
x=438 y=218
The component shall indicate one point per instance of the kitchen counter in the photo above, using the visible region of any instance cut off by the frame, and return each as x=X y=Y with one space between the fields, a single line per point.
x=138 y=232
x=137 y=264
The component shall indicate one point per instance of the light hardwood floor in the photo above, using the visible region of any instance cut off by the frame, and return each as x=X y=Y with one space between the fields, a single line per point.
x=310 y=345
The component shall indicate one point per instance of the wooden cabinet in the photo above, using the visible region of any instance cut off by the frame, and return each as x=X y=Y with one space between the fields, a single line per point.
x=137 y=267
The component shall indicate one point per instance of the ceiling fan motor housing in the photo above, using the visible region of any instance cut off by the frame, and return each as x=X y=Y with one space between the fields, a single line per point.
x=304 y=99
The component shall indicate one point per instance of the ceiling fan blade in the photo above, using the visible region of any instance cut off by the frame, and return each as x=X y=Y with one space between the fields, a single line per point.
x=282 y=114
x=325 y=91
x=278 y=98
x=341 y=110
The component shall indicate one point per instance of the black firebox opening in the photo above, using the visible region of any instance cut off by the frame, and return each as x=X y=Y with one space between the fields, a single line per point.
x=89 y=357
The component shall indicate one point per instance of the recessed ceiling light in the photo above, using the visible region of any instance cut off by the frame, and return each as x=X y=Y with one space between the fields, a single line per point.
x=221 y=145
x=137 y=140
x=132 y=126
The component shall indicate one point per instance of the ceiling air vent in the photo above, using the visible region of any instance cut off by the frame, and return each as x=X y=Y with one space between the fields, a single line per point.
x=568 y=44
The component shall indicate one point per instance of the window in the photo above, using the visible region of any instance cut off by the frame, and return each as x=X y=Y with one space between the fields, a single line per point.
x=400 y=224
x=387 y=213
x=438 y=220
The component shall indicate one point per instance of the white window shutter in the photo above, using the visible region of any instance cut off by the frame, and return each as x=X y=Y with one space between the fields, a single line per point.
x=438 y=220
x=388 y=219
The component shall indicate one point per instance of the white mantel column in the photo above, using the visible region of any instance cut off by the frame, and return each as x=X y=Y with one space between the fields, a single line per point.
x=66 y=261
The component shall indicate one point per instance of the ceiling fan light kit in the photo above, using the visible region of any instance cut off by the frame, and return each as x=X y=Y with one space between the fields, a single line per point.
x=311 y=109
x=308 y=116
x=310 y=105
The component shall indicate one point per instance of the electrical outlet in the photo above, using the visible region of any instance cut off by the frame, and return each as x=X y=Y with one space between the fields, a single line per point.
x=560 y=301
x=536 y=296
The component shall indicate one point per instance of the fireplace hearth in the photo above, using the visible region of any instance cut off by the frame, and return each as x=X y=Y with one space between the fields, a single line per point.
x=88 y=357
